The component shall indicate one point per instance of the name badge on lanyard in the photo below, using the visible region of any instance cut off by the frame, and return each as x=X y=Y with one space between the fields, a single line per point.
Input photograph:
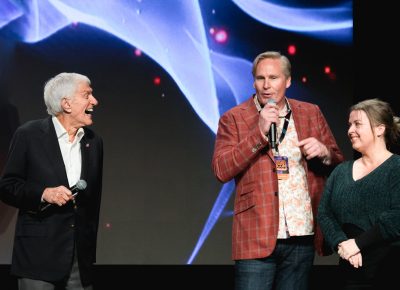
x=282 y=166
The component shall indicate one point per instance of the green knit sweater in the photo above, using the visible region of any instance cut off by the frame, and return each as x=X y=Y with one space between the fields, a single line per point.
x=371 y=203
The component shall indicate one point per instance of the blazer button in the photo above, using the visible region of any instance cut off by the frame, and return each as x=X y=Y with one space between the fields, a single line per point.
x=72 y=225
x=276 y=193
x=273 y=169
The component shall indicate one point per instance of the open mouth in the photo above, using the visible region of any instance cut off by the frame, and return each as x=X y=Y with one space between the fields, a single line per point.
x=89 y=111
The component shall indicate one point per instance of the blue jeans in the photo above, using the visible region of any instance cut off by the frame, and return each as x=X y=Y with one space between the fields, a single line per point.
x=287 y=268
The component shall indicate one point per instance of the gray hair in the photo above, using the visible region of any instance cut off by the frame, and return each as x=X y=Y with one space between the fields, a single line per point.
x=61 y=86
x=380 y=113
x=286 y=66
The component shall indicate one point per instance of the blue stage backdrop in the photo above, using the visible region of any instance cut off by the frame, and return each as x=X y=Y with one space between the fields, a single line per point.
x=164 y=71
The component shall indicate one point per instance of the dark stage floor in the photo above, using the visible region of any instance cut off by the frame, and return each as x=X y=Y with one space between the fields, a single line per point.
x=173 y=277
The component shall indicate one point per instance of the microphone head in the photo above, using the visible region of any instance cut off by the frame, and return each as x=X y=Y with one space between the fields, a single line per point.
x=271 y=101
x=81 y=184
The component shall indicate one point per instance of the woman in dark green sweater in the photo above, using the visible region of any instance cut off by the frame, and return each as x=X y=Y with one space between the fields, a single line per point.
x=359 y=212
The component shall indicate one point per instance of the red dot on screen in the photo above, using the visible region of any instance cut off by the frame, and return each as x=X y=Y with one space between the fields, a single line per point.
x=138 y=52
x=157 y=81
x=327 y=69
x=292 y=49
x=221 y=36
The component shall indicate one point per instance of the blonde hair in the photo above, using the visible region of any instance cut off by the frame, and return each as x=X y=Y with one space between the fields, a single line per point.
x=286 y=66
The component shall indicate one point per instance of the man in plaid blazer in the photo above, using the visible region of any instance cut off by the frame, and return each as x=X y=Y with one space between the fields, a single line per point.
x=278 y=184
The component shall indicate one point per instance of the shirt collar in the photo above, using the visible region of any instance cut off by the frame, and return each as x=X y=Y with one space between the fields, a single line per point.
x=62 y=133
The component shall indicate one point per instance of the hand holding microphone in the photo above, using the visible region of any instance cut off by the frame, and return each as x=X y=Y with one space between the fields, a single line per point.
x=61 y=195
x=267 y=122
x=80 y=185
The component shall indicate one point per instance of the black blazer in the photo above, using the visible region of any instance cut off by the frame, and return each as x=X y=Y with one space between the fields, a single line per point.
x=44 y=241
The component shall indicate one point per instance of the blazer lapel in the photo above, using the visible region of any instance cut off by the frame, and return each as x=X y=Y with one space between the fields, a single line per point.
x=250 y=116
x=85 y=146
x=297 y=113
x=52 y=149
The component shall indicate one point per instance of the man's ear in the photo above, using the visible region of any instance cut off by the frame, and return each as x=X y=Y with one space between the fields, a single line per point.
x=288 y=82
x=65 y=105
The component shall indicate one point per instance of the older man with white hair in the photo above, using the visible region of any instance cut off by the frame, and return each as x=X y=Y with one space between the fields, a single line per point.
x=48 y=161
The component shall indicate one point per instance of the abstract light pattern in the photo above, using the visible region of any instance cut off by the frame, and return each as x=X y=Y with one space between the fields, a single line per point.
x=332 y=23
x=213 y=82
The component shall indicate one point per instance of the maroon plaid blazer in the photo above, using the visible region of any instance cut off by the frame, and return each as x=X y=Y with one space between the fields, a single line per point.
x=242 y=153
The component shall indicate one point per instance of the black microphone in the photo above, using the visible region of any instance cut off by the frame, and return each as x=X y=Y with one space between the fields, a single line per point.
x=80 y=185
x=272 y=129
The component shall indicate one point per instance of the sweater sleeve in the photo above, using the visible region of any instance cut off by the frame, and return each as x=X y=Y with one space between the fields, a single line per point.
x=389 y=220
x=387 y=226
x=330 y=226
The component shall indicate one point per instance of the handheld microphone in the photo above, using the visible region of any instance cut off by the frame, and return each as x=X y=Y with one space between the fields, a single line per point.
x=272 y=129
x=80 y=185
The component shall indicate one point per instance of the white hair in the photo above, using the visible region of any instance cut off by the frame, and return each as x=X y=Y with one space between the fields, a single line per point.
x=61 y=86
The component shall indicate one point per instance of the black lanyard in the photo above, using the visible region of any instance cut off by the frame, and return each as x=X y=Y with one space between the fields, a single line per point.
x=284 y=130
x=285 y=126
